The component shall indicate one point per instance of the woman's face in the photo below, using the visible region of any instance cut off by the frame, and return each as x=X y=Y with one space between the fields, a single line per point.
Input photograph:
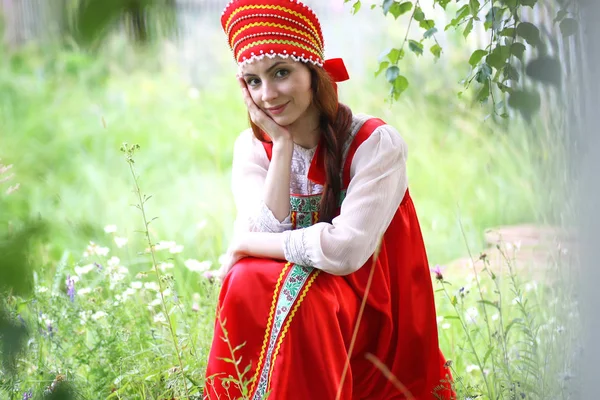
x=280 y=87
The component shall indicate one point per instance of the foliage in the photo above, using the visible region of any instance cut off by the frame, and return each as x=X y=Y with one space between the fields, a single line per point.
x=494 y=68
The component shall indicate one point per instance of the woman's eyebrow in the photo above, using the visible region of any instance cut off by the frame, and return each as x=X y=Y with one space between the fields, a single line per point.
x=268 y=69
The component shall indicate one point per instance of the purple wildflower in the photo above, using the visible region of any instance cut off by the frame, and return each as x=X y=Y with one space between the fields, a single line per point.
x=99 y=266
x=28 y=395
x=437 y=270
x=70 y=287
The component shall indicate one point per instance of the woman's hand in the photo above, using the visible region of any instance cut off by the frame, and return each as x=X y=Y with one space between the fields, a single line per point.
x=276 y=132
x=235 y=253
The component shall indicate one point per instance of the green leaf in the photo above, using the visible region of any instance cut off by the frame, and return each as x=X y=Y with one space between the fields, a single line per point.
x=497 y=58
x=489 y=303
x=460 y=16
x=387 y=4
x=373 y=6
x=436 y=50
x=510 y=72
x=483 y=73
x=526 y=102
x=529 y=32
x=382 y=66
x=399 y=9
x=355 y=7
x=476 y=57
x=468 y=28
x=15 y=260
x=528 y=3
x=487 y=354
x=504 y=88
x=474 y=7
x=493 y=19
x=560 y=15
x=419 y=14
x=392 y=73
x=392 y=54
x=415 y=47
x=442 y=3
x=517 y=49
x=508 y=32
x=400 y=85
x=395 y=55
x=95 y=18
x=427 y=24
x=484 y=92
x=568 y=27
x=430 y=32
x=545 y=69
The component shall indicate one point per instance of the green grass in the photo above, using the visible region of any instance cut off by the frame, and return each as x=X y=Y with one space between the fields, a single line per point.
x=63 y=118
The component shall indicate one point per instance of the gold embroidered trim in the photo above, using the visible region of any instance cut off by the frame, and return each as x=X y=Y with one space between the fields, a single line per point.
x=289 y=321
x=269 y=324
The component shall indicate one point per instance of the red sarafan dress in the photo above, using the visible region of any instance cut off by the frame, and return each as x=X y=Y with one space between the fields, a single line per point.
x=290 y=327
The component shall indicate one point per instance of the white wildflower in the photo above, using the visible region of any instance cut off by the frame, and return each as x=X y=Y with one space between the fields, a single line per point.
x=197 y=266
x=83 y=291
x=446 y=326
x=176 y=249
x=495 y=317
x=152 y=286
x=85 y=269
x=121 y=241
x=160 y=317
x=471 y=315
x=165 y=266
x=41 y=289
x=84 y=316
x=136 y=285
x=154 y=303
x=529 y=286
x=98 y=314
x=166 y=293
x=94 y=249
x=472 y=367
x=128 y=292
x=110 y=228
x=13 y=188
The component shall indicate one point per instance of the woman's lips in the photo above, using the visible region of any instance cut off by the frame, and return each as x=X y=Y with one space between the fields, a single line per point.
x=277 y=110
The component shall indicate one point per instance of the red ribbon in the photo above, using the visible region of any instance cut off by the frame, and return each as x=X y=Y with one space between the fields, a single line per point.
x=336 y=68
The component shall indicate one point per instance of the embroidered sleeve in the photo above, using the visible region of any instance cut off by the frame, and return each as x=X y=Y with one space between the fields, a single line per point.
x=248 y=174
x=377 y=187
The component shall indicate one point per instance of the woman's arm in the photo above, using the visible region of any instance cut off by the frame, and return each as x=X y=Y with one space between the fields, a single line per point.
x=259 y=201
x=376 y=190
x=377 y=187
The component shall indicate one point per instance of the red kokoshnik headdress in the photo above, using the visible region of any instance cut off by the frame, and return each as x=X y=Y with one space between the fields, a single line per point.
x=284 y=28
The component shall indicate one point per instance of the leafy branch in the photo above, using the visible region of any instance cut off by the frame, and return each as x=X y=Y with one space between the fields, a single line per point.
x=514 y=45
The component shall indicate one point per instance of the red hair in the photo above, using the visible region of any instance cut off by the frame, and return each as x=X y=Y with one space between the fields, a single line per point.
x=334 y=122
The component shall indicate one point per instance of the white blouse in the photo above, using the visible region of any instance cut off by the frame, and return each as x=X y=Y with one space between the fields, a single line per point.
x=377 y=186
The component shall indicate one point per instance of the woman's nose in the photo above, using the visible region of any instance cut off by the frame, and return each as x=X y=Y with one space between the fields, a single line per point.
x=269 y=92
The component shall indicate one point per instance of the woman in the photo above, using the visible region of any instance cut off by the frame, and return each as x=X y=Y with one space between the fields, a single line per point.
x=325 y=221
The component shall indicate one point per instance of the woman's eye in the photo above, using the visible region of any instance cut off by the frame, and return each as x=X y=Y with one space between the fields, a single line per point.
x=281 y=73
x=252 y=82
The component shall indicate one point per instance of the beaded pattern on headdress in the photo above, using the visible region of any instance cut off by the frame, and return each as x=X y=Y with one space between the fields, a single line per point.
x=259 y=28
